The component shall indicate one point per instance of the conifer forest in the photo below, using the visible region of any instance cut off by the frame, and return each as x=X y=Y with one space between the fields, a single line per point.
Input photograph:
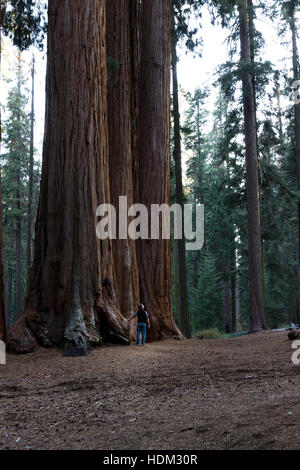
x=150 y=196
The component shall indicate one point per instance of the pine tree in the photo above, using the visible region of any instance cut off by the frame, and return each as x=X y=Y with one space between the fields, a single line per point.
x=22 y=22
x=257 y=312
x=181 y=253
x=181 y=32
x=30 y=211
x=207 y=297
x=15 y=165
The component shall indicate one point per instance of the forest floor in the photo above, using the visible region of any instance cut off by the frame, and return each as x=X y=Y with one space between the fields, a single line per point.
x=240 y=393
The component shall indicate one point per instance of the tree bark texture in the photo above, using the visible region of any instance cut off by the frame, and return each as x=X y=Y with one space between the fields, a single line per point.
x=82 y=289
x=8 y=296
x=119 y=44
x=296 y=76
x=72 y=291
x=2 y=308
x=18 y=231
x=257 y=309
x=184 y=314
x=153 y=166
x=31 y=168
x=227 y=312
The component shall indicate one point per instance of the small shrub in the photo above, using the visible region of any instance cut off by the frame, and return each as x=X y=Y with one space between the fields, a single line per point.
x=211 y=333
x=235 y=335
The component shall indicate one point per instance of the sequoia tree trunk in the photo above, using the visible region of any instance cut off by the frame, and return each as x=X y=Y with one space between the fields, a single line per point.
x=152 y=185
x=18 y=230
x=233 y=288
x=184 y=314
x=296 y=76
x=2 y=308
x=8 y=296
x=119 y=101
x=257 y=309
x=31 y=165
x=72 y=298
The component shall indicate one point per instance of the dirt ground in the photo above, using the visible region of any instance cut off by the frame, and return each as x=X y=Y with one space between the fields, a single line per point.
x=241 y=393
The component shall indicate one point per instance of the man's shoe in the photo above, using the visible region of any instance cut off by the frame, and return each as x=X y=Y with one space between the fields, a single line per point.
x=137 y=344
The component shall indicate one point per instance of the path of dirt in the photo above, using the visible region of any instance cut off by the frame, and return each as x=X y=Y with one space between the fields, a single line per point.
x=241 y=393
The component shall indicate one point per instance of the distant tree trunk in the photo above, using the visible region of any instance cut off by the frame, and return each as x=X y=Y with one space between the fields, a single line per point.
x=296 y=76
x=175 y=283
x=120 y=144
x=72 y=296
x=239 y=325
x=227 y=306
x=18 y=230
x=232 y=261
x=18 y=233
x=233 y=290
x=31 y=165
x=2 y=309
x=199 y=157
x=252 y=56
x=184 y=314
x=293 y=297
x=279 y=108
x=8 y=296
x=153 y=167
x=257 y=309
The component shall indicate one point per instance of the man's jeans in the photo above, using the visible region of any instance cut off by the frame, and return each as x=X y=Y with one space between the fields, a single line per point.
x=141 y=328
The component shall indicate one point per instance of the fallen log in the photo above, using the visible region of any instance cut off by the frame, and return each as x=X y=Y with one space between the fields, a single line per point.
x=294 y=334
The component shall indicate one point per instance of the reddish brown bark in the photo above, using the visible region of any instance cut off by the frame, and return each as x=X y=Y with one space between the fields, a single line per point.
x=185 y=323
x=257 y=309
x=296 y=76
x=71 y=266
x=2 y=309
x=119 y=43
x=18 y=229
x=153 y=167
x=126 y=80
x=31 y=169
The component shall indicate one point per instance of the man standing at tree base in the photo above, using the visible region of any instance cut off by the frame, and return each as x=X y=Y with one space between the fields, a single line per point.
x=143 y=322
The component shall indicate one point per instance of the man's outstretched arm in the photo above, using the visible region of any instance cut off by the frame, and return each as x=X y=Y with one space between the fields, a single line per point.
x=133 y=316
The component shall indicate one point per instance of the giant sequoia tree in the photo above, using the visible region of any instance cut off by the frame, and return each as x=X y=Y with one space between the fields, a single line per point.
x=2 y=310
x=257 y=309
x=290 y=10
x=72 y=280
x=120 y=82
x=152 y=183
x=138 y=47
x=80 y=288
x=22 y=22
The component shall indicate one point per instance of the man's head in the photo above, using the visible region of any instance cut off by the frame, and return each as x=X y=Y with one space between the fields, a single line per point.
x=141 y=307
